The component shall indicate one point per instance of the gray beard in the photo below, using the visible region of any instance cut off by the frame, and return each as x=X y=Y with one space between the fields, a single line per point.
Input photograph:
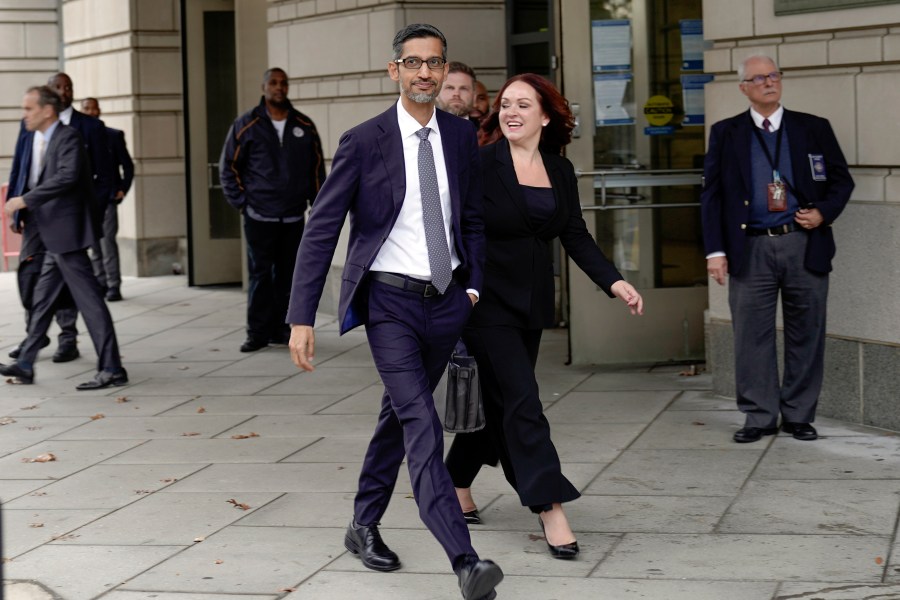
x=420 y=98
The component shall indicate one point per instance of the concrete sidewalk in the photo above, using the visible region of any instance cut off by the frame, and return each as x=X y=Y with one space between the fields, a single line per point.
x=147 y=495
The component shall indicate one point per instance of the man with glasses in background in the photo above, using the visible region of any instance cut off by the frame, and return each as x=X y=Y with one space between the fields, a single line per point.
x=774 y=182
x=410 y=180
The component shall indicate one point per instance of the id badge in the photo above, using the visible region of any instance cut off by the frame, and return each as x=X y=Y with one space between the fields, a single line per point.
x=817 y=167
x=777 y=197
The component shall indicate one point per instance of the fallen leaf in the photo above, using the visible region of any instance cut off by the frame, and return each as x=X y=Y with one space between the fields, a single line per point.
x=33 y=428
x=692 y=371
x=7 y=421
x=142 y=492
x=698 y=423
x=219 y=561
x=242 y=436
x=878 y=560
x=35 y=525
x=38 y=494
x=5 y=560
x=201 y=410
x=341 y=468
x=122 y=399
x=98 y=416
x=42 y=458
x=32 y=407
x=199 y=538
x=183 y=368
x=191 y=433
x=288 y=590
x=66 y=536
x=169 y=480
x=239 y=505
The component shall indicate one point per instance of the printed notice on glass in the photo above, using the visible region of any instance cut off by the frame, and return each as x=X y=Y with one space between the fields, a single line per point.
x=611 y=45
x=692 y=87
x=609 y=100
x=691 y=44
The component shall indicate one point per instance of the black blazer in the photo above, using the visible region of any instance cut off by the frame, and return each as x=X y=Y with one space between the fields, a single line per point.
x=518 y=285
x=725 y=201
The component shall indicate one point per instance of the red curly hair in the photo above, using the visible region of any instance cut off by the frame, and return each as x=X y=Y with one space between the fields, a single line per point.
x=558 y=131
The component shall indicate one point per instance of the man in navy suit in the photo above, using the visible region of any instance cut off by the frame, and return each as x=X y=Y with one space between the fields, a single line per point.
x=93 y=132
x=410 y=181
x=58 y=204
x=123 y=175
x=775 y=182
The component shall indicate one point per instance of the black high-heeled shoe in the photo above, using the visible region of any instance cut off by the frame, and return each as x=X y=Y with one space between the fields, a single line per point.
x=472 y=517
x=563 y=551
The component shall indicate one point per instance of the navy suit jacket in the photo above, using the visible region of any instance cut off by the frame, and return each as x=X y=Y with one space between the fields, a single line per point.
x=368 y=182
x=59 y=205
x=725 y=201
x=123 y=166
x=96 y=145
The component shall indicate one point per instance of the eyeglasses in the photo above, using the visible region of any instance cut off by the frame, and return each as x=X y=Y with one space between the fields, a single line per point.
x=774 y=77
x=435 y=63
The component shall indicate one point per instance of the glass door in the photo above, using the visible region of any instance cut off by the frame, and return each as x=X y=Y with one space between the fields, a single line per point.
x=631 y=68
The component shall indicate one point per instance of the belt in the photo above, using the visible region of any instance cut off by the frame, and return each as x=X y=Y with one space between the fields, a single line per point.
x=773 y=231
x=404 y=282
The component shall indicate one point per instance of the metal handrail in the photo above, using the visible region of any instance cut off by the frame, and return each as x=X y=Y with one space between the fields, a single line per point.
x=630 y=178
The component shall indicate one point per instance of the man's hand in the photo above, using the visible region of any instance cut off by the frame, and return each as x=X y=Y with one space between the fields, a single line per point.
x=624 y=290
x=303 y=346
x=14 y=204
x=120 y=195
x=809 y=218
x=473 y=298
x=717 y=267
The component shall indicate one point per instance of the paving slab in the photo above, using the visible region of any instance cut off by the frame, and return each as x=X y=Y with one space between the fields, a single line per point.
x=364 y=402
x=84 y=572
x=609 y=407
x=206 y=386
x=693 y=430
x=105 y=486
x=255 y=405
x=593 y=442
x=860 y=457
x=307 y=425
x=282 y=477
x=747 y=557
x=623 y=381
x=71 y=457
x=108 y=406
x=153 y=428
x=26 y=529
x=818 y=506
x=837 y=591
x=162 y=519
x=245 y=560
x=702 y=400
x=10 y=489
x=220 y=451
x=155 y=595
x=326 y=381
x=677 y=473
x=29 y=430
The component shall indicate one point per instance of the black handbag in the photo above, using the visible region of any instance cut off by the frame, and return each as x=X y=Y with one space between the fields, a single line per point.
x=457 y=397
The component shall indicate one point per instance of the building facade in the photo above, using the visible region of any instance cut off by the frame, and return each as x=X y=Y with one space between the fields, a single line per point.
x=173 y=74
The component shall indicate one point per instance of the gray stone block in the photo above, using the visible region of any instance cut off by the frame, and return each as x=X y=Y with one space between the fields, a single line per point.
x=840 y=397
x=881 y=386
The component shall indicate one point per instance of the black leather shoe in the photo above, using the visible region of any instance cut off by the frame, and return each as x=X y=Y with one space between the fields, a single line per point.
x=251 y=345
x=801 y=431
x=66 y=354
x=15 y=352
x=745 y=435
x=563 y=551
x=478 y=578
x=23 y=376
x=364 y=541
x=472 y=517
x=104 y=379
x=113 y=294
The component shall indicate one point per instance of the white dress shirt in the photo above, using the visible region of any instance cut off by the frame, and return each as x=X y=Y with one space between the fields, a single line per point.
x=66 y=116
x=39 y=144
x=405 y=250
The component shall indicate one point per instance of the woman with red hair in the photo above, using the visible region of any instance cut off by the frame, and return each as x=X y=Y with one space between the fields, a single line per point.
x=530 y=199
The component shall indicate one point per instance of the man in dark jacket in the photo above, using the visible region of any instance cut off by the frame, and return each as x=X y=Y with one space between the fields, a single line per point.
x=271 y=169
x=123 y=175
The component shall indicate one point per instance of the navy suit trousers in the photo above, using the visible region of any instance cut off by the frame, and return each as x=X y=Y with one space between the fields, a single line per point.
x=411 y=338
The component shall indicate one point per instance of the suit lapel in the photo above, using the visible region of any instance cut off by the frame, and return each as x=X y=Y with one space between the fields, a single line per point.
x=391 y=146
x=742 y=143
x=507 y=173
x=51 y=147
x=451 y=161
x=796 y=133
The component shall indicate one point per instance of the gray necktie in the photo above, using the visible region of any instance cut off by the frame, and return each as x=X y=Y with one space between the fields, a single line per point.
x=435 y=234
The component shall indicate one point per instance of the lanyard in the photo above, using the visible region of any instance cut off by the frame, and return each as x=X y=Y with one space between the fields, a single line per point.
x=776 y=176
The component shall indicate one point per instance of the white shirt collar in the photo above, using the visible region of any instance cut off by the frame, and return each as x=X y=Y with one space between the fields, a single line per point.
x=774 y=118
x=66 y=115
x=408 y=124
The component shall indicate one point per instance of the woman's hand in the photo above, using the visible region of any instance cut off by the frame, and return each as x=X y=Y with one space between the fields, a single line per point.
x=624 y=290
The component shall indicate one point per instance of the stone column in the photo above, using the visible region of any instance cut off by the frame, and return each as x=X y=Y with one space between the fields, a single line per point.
x=126 y=53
